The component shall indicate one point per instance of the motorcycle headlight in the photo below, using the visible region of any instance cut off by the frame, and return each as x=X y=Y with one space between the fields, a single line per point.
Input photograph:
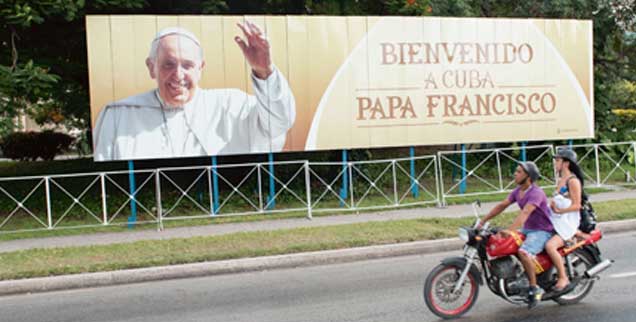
x=464 y=234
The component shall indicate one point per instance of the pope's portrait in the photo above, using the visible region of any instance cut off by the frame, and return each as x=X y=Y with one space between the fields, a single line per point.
x=180 y=119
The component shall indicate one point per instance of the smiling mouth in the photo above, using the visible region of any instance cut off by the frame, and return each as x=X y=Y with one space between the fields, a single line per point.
x=178 y=86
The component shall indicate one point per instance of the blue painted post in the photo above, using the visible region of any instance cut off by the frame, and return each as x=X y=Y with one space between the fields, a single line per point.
x=271 y=201
x=462 y=184
x=132 y=187
x=570 y=143
x=414 y=187
x=524 y=157
x=345 y=179
x=215 y=188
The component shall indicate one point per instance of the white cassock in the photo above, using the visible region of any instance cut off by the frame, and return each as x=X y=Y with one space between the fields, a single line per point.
x=214 y=122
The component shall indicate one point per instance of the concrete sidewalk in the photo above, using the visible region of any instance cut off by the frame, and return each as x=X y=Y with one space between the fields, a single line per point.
x=268 y=225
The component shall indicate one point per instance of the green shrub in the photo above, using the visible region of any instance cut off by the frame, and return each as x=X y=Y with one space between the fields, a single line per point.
x=33 y=145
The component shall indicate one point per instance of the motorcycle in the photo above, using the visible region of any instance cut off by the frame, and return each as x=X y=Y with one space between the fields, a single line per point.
x=452 y=287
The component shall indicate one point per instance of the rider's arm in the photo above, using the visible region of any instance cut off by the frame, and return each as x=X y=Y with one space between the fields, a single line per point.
x=522 y=217
x=499 y=208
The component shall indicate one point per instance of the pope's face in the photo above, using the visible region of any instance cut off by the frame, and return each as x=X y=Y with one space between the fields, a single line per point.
x=177 y=69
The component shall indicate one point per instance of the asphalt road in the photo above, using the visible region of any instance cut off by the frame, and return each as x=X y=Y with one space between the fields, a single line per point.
x=387 y=290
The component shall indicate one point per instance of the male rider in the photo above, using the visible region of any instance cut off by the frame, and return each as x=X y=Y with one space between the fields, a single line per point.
x=535 y=219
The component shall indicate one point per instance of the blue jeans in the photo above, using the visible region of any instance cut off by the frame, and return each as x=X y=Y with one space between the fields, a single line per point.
x=535 y=241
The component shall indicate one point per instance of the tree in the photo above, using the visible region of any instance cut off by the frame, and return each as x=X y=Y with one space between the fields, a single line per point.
x=40 y=76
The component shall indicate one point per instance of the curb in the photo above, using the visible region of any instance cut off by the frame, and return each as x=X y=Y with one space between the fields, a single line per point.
x=67 y=282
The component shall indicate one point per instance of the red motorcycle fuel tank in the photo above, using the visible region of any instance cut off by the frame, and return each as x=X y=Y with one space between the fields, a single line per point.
x=498 y=246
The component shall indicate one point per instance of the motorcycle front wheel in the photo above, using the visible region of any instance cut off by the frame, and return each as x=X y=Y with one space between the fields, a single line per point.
x=439 y=296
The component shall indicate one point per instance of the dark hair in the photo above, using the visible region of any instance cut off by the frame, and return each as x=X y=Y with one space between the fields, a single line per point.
x=576 y=170
x=578 y=173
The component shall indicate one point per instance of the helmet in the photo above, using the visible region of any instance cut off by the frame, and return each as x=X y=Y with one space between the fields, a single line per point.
x=531 y=169
x=566 y=154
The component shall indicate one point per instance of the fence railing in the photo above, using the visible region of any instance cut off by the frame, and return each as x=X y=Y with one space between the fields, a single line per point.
x=490 y=170
x=165 y=194
x=607 y=164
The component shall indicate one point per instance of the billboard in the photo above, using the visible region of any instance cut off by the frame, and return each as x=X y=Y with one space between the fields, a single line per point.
x=174 y=86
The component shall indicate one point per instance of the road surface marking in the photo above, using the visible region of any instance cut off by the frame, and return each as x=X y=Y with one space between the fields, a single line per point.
x=623 y=275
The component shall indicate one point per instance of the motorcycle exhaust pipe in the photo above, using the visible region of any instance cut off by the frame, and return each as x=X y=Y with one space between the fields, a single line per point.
x=598 y=268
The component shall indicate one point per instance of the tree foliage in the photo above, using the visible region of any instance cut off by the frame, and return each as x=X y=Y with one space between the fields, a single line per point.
x=43 y=65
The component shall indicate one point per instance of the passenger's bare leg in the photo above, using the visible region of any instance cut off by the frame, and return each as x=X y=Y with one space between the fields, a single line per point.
x=551 y=247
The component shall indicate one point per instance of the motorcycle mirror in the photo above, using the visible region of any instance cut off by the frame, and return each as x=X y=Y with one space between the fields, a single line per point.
x=476 y=207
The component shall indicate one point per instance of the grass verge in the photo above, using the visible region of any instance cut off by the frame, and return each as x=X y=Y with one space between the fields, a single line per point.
x=73 y=260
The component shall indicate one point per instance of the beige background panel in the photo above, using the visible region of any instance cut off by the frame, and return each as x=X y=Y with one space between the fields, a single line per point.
x=299 y=68
x=100 y=68
x=212 y=44
x=191 y=23
x=235 y=64
x=376 y=80
x=124 y=64
x=358 y=77
x=144 y=31
x=260 y=22
x=570 y=46
x=339 y=98
x=167 y=21
x=276 y=32
x=329 y=49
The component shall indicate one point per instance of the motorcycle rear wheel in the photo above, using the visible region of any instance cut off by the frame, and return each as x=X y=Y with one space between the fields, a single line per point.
x=438 y=289
x=581 y=262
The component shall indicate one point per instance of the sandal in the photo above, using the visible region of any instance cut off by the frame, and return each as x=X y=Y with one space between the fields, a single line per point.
x=567 y=288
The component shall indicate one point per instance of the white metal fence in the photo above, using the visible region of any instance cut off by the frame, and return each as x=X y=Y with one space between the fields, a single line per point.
x=490 y=171
x=607 y=164
x=304 y=187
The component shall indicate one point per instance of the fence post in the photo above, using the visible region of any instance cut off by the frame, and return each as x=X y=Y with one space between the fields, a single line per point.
x=414 y=187
x=308 y=190
x=499 y=170
x=210 y=192
x=47 y=191
x=524 y=156
x=349 y=165
x=395 y=195
x=260 y=188
x=133 y=199
x=441 y=179
x=598 y=166
x=271 y=201
x=104 y=209
x=437 y=182
x=158 y=196
x=462 y=184
x=215 y=186
x=345 y=178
